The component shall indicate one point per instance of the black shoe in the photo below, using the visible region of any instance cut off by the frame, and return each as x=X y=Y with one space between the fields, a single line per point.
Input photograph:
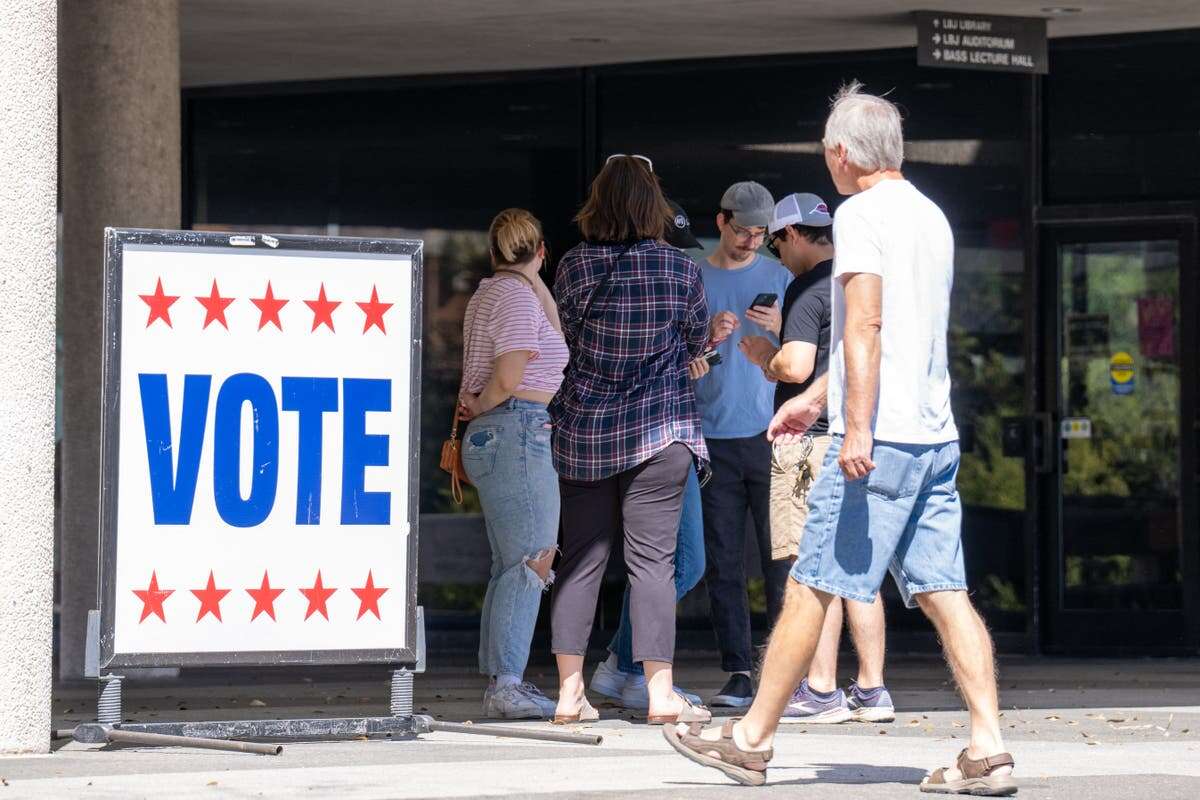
x=738 y=692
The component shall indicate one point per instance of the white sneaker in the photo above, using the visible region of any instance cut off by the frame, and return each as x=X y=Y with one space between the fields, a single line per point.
x=608 y=681
x=512 y=702
x=636 y=696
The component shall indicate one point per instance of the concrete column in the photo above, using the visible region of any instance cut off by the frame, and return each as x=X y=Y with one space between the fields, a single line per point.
x=119 y=82
x=28 y=159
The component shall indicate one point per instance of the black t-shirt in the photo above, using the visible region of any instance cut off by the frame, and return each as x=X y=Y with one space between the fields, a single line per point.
x=806 y=315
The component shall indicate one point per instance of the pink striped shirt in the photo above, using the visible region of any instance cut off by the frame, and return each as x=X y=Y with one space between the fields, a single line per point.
x=505 y=315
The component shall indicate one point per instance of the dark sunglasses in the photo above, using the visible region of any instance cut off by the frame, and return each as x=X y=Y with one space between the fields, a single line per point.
x=773 y=243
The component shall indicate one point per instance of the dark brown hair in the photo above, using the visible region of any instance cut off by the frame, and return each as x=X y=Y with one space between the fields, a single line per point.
x=814 y=234
x=625 y=204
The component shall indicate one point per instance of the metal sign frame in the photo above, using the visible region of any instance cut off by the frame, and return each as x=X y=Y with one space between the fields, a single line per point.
x=266 y=245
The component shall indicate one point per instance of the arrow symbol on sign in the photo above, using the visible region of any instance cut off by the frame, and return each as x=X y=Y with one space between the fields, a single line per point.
x=936 y=23
x=937 y=54
x=937 y=37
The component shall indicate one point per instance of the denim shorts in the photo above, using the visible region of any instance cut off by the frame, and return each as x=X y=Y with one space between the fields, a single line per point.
x=904 y=517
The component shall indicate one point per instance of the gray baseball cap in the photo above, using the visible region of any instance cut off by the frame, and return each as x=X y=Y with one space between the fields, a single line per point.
x=800 y=209
x=750 y=203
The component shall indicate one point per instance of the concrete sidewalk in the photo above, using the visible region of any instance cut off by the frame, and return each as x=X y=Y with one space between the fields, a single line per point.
x=1086 y=729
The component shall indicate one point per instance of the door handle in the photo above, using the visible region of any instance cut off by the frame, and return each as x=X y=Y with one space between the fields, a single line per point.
x=1045 y=443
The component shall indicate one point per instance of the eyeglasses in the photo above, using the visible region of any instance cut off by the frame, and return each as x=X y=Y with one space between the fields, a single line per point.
x=649 y=164
x=773 y=243
x=745 y=233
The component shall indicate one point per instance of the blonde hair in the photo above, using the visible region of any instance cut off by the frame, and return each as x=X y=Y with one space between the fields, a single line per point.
x=514 y=237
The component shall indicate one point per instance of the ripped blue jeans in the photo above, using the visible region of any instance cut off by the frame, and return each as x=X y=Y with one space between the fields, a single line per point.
x=506 y=454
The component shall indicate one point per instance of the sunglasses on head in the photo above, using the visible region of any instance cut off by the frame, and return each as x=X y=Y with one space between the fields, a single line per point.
x=649 y=164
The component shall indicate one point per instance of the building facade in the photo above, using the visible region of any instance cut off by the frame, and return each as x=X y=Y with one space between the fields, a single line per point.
x=1073 y=198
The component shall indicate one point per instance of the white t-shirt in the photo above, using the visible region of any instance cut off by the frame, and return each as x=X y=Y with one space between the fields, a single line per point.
x=894 y=231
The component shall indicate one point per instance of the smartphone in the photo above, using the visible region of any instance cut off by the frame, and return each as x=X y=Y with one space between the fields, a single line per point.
x=712 y=357
x=765 y=299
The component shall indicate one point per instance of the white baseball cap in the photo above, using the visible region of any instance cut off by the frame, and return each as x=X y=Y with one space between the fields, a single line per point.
x=800 y=209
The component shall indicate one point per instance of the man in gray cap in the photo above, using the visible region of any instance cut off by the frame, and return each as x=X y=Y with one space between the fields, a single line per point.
x=801 y=236
x=736 y=403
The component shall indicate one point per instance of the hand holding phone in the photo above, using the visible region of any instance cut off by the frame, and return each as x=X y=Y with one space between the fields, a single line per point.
x=765 y=299
x=764 y=312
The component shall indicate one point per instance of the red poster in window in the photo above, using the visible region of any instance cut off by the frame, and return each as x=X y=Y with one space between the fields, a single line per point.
x=1156 y=326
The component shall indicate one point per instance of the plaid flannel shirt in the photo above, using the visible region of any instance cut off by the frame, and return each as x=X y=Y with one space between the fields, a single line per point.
x=626 y=395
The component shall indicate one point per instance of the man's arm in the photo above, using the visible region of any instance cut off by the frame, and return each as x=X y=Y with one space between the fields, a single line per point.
x=796 y=416
x=792 y=363
x=861 y=344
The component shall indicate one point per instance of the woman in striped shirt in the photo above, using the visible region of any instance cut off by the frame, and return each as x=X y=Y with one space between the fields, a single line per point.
x=513 y=362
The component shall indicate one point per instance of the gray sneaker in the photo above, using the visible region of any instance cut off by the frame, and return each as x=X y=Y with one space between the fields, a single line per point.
x=806 y=706
x=517 y=701
x=870 y=705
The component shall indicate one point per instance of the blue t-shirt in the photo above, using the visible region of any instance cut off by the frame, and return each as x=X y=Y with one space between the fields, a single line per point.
x=735 y=399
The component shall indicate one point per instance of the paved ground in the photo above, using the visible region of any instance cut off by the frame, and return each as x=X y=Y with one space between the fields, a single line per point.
x=1094 y=729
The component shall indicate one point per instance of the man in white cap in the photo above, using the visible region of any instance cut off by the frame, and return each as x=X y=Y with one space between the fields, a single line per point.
x=801 y=238
x=736 y=402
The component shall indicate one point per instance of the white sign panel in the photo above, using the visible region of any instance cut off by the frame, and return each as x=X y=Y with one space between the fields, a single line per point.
x=260 y=449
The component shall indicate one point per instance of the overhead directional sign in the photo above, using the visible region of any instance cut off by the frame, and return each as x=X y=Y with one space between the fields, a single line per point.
x=981 y=41
x=261 y=411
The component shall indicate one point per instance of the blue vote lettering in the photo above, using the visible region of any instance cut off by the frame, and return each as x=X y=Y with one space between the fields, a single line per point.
x=311 y=398
x=172 y=491
x=361 y=450
x=238 y=511
x=174 y=468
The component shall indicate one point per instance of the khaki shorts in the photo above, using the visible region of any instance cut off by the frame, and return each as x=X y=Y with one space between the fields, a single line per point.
x=794 y=467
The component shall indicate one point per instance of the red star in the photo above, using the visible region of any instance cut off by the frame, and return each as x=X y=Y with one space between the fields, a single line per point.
x=322 y=309
x=152 y=599
x=368 y=597
x=264 y=598
x=160 y=305
x=374 y=311
x=268 y=307
x=317 y=596
x=214 y=307
x=210 y=599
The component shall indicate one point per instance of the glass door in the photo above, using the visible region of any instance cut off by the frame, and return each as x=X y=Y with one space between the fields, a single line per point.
x=1118 y=428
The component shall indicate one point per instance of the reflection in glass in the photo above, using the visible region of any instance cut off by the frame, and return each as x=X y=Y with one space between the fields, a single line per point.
x=1120 y=372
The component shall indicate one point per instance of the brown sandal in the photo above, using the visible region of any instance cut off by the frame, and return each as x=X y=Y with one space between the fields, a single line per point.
x=977 y=778
x=586 y=713
x=746 y=767
x=689 y=713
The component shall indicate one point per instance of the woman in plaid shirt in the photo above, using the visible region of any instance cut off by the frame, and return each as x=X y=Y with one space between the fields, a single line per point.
x=626 y=429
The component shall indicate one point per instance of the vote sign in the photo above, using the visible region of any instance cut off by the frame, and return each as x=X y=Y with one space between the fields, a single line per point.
x=260 y=444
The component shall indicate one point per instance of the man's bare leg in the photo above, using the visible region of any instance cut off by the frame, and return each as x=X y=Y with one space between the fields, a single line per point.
x=822 y=674
x=789 y=655
x=867 y=631
x=968 y=648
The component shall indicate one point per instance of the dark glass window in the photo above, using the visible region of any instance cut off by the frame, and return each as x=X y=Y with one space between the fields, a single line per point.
x=1123 y=119
x=434 y=160
x=709 y=124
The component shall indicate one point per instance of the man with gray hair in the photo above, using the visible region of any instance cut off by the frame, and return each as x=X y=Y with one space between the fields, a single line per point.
x=893 y=503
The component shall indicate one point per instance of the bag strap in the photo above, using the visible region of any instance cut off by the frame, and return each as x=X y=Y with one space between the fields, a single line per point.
x=600 y=283
x=520 y=275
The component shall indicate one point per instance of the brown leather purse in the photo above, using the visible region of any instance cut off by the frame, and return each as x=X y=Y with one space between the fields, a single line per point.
x=452 y=460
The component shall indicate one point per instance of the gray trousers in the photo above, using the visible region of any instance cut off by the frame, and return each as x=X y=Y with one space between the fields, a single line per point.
x=642 y=504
